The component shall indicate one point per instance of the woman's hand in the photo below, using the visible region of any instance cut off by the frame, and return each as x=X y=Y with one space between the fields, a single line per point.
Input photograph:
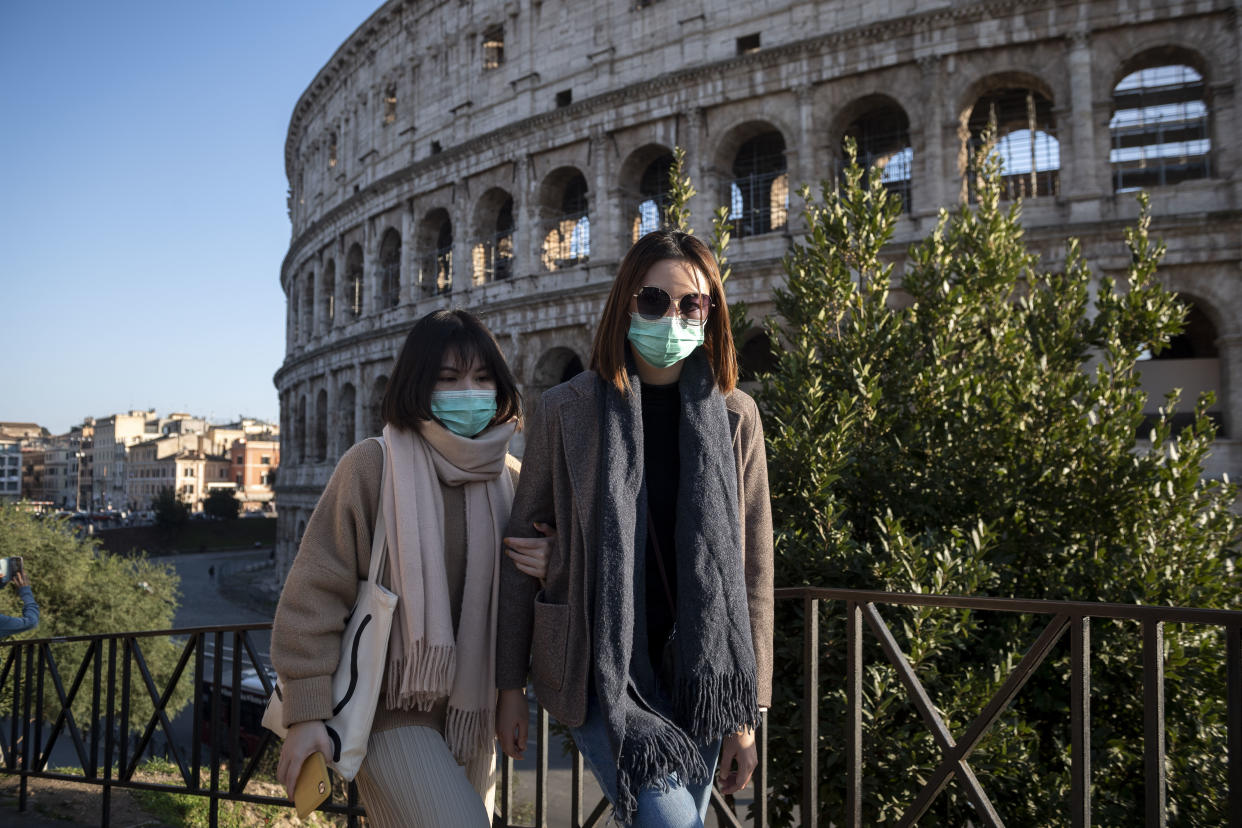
x=303 y=739
x=19 y=580
x=512 y=721
x=738 y=760
x=530 y=555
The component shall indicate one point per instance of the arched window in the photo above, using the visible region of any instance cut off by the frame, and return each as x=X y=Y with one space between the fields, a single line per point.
x=568 y=240
x=1025 y=140
x=375 y=407
x=299 y=431
x=332 y=149
x=1159 y=128
x=759 y=192
x=654 y=197
x=882 y=134
x=295 y=313
x=321 y=426
x=328 y=293
x=345 y=421
x=354 y=280
x=1190 y=361
x=492 y=254
x=755 y=357
x=435 y=272
x=390 y=269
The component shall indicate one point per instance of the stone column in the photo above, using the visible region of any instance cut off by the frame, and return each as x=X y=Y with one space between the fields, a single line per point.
x=928 y=191
x=605 y=205
x=407 y=281
x=526 y=255
x=697 y=163
x=360 y=397
x=803 y=169
x=370 y=274
x=329 y=417
x=1230 y=398
x=1081 y=177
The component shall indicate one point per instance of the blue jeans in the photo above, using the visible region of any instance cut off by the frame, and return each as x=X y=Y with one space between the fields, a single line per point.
x=681 y=806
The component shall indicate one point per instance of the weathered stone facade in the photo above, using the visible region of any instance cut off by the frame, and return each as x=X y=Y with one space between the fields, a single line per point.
x=463 y=153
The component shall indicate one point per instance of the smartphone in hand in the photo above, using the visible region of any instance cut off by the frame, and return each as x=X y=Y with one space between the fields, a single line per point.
x=313 y=785
x=9 y=567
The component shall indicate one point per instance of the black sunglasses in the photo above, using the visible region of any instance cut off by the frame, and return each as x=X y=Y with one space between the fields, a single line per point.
x=653 y=303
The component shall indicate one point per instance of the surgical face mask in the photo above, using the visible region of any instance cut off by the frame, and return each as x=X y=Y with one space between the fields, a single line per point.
x=465 y=413
x=665 y=341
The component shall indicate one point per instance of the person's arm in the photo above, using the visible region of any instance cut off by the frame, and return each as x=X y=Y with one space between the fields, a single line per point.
x=322 y=585
x=30 y=609
x=532 y=503
x=757 y=549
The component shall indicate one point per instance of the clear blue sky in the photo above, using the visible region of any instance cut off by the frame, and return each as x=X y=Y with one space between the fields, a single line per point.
x=142 y=200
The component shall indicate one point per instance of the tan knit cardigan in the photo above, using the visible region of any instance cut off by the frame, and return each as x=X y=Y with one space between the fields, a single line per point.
x=319 y=592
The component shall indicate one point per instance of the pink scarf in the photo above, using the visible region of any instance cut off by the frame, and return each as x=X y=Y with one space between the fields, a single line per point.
x=425 y=662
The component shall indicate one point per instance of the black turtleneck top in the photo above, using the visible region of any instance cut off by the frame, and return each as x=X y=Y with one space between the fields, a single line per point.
x=662 y=466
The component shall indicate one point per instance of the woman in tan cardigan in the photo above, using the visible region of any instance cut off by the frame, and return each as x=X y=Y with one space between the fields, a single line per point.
x=451 y=407
x=652 y=636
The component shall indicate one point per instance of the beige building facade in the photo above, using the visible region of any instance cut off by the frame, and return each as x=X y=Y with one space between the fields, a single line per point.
x=502 y=156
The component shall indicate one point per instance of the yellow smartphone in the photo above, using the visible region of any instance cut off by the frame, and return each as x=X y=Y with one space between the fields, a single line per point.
x=313 y=785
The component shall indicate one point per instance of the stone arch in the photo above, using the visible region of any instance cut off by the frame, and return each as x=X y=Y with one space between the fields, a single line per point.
x=1160 y=124
x=1191 y=361
x=375 y=406
x=346 y=427
x=644 y=186
x=390 y=269
x=493 y=229
x=565 y=221
x=1031 y=157
x=556 y=365
x=751 y=167
x=880 y=128
x=355 y=286
x=755 y=356
x=435 y=246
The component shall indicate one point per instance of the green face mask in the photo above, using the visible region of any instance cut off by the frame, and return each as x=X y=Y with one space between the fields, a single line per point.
x=464 y=413
x=665 y=341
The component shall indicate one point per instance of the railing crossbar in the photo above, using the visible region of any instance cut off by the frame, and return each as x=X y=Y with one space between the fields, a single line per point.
x=158 y=715
x=996 y=706
x=66 y=709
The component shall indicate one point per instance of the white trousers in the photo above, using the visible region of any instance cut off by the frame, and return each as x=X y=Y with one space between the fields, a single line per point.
x=409 y=779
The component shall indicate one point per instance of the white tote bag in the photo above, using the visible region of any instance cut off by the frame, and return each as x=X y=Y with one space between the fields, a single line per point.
x=364 y=653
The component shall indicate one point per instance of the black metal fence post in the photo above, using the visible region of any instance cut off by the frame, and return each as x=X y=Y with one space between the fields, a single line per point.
x=810 y=713
x=1080 y=715
x=853 y=728
x=1153 y=723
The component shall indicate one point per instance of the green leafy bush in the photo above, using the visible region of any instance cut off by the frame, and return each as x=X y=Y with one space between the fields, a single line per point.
x=83 y=590
x=970 y=428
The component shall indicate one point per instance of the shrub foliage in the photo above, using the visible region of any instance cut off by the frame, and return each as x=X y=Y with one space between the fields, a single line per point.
x=973 y=427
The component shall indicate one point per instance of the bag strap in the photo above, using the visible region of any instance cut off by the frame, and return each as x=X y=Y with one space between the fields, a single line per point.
x=655 y=544
x=379 y=537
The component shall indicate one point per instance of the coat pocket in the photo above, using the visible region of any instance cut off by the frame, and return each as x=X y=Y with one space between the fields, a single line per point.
x=548 y=643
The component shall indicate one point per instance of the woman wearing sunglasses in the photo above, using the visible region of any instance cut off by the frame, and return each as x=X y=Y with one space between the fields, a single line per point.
x=445 y=479
x=652 y=634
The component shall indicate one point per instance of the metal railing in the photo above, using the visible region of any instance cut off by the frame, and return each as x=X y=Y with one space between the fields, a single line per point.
x=114 y=664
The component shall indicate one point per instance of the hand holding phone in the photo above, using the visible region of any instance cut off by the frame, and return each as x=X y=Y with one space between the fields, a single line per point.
x=313 y=785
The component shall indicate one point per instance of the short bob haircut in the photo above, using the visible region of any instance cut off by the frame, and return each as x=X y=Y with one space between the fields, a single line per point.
x=407 y=400
x=608 y=351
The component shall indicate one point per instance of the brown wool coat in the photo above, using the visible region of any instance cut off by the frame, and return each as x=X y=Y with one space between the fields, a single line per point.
x=549 y=630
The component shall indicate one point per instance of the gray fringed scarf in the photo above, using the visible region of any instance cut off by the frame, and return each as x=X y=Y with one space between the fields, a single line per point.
x=714 y=690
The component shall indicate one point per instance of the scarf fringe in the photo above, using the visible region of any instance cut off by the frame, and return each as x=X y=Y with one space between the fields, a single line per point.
x=647 y=762
x=468 y=731
x=711 y=706
x=430 y=669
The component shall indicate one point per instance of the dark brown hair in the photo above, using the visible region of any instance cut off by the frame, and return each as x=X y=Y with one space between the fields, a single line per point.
x=407 y=400
x=608 y=351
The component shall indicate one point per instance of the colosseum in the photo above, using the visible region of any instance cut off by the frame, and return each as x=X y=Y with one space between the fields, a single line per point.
x=501 y=156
